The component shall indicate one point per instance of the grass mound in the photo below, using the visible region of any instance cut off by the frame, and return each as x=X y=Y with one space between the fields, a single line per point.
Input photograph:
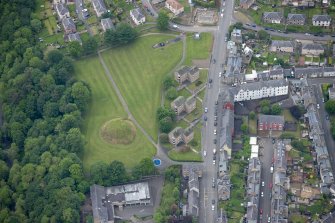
x=118 y=131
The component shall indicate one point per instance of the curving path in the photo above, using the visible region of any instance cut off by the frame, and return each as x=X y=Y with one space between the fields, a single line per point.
x=160 y=153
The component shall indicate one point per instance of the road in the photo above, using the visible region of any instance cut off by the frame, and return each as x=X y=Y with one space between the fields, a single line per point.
x=210 y=171
x=266 y=177
x=325 y=123
x=146 y=3
x=79 y=10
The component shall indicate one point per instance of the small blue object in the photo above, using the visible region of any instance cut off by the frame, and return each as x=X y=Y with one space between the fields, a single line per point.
x=157 y=162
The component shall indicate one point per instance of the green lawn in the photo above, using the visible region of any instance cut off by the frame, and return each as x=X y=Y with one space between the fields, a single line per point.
x=252 y=126
x=202 y=78
x=105 y=106
x=138 y=70
x=288 y=116
x=185 y=156
x=198 y=49
x=196 y=113
x=197 y=137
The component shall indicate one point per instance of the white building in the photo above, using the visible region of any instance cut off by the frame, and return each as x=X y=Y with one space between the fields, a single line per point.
x=257 y=90
x=321 y=20
x=137 y=16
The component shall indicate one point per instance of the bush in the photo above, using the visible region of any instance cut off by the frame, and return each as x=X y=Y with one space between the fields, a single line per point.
x=287 y=135
x=330 y=106
x=252 y=115
x=296 y=111
x=198 y=83
x=164 y=138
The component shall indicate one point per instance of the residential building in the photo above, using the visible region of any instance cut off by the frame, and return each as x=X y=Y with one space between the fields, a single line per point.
x=179 y=135
x=187 y=73
x=314 y=49
x=174 y=6
x=155 y=2
x=99 y=7
x=282 y=46
x=296 y=19
x=105 y=199
x=328 y=71
x=72 y=37
x=331 y=92
x=227 y=121
x=321 y=20
x=273 y=17
x=223 y=179
x=236 y=35
x=107 y=24
x=62 y=11
x=333 y=50
x=137 y=16
x=245 y=4
x=69 y=26
x=178 y=105
x=271 y=123
x=193 y=196
x=310 y=72
x=261 y=89
x=253 y=189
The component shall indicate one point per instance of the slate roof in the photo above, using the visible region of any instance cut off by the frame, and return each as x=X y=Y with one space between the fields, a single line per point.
x=282 y=43
x=273 y=15
x=62 y=9
x=321 y=18
x=74 y=37
x=137 y=13
x=183 y=70
x=312 y=46
x=99 y=5
x=179 y=101
x=107 y=23
x=271 y=119
x=68 y=24
x=307 y=71
x=178 y=131
x=259 y=85
x=190 y=100
x=175 y=4
x=193 y=70
x=299 y=17
x=188 y=131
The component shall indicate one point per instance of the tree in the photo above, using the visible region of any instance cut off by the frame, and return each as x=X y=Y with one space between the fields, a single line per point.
x=171 y=93
x=168 y=82
x=296 y=111
x=264 y=102
x=165 y=124
x=36 y=24
x=90 y=45
x=80 y=94
x=4 y=170
x=162 y=21
x=74 y=141
x=122 y=35
x=263 y=35
x=75 y=49
x=244 y=128
x=330 y=106
x=99 y=173
x=276 y=109
x=163 y=112
x=164 y=138
x=144 y=168
x=117 y=173
x=252 y=115
x=265 y=110
x=54 y=56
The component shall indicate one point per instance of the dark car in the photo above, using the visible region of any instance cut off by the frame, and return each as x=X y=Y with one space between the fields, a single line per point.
x=210 y=81
x=205 y=118
x=214 y=141
x=215 y=123
x=273 y=141
x=216 y=102
x=254 y=25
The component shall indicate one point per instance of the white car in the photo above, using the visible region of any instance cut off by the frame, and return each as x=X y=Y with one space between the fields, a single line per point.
x=269 y=219
x=220 y=74
x=262 y=194
x=221 y=14
x=206 y=110
x=175 y=26
x=205 y=153
x=213 y=162
x=263 y=184
x=213 y=207
x=318 y=106
x=214 y=131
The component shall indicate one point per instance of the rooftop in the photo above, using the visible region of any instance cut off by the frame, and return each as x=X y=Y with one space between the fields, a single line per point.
x=292 y=16
x=321 y=18
x=282 y=43
x=273 y=15
x=137 y=13
x=312 y=46
x=271 y=119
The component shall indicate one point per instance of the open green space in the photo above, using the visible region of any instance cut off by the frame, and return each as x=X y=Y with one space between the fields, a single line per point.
x=198 y=48
x=288 y=116
x=118 y=131
x=297 y=218
x=196 y=113
x=252 y=126
x=138 y=69
x=188 y=156
x=103 y=107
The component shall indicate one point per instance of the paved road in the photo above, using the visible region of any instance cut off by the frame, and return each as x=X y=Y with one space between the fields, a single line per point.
x=266 y=177
x=210 y=171
x=325 y=124
x=297 y=36
x=147 y=3
x=79 y=10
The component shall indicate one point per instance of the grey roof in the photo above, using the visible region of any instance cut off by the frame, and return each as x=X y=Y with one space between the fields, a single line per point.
x=107 y=23
x=74 y=37
x=271 y=119
x=259 y=85
x=226 y=132
x=282 y=43
x=98 y=194
x=62 y=9
x=188 y=131
x=179 y=101
x=298 y=17
x=234 y=64
x=312 y=46
x=321 y=18
x=307 y=71
x=183 y=70
x=157 y=1
x=137 y=13
x=68 y=23
x=177 y=131
x=331 y=90
x=329 y=69
x=100 y=6
x=273 y=15
x=193 y=70
x=236 y=32
x=190 y=100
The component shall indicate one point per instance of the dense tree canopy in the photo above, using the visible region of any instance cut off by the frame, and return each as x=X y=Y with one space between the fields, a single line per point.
x=163 y=20
x=123 y=34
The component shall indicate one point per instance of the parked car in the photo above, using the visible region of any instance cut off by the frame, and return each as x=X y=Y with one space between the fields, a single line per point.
x=263 y=184
x=205 y=153
x=262 y=194
x=206 y=109
x=214 y=141
x=215 y=123
x=261 y=211
x=214 y=131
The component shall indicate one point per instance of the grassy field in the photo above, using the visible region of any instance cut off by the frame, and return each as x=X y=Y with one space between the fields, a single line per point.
x=138 y=70
x=185 y=156
x=105 y=106
x=198 y=49
x=252 y=126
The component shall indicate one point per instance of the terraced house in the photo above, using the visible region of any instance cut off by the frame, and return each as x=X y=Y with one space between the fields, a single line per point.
x=314 y=49
x=69 y=26
x=282 y=46
x=273 y=17
x=62 y=11
x=296 y=19
x=321 y=20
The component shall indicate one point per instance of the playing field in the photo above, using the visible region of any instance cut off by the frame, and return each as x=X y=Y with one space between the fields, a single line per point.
x=138 y=70
x=105 y=106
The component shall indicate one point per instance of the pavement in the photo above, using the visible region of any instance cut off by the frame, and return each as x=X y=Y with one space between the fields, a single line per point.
x=266 y=177
x=212 y=91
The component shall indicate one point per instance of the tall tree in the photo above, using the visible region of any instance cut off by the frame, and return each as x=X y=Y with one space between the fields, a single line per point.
x=90 y=45
x=163 y=20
